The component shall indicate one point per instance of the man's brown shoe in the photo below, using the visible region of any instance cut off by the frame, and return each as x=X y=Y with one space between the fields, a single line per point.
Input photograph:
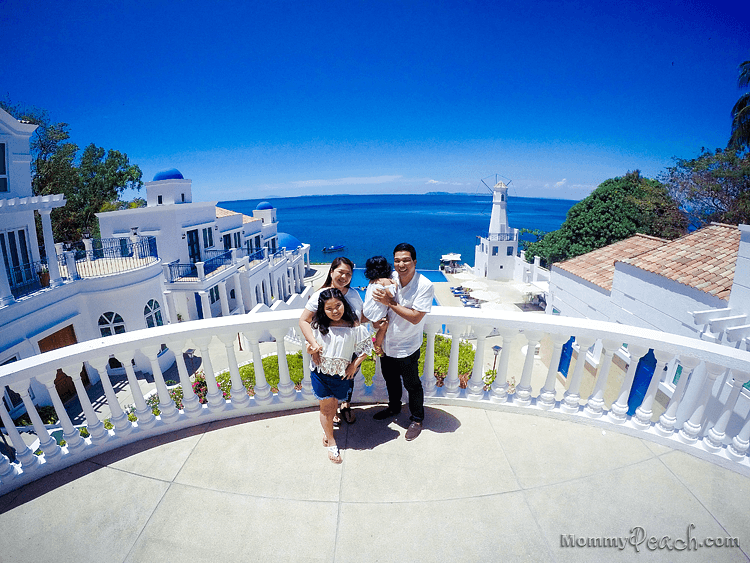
x=413 y=431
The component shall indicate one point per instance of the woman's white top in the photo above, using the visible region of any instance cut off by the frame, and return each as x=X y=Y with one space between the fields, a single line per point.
x=352 y=297
x=373 y=310
x=340 y=346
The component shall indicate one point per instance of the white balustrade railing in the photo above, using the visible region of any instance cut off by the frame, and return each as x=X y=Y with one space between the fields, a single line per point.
x=697 y=435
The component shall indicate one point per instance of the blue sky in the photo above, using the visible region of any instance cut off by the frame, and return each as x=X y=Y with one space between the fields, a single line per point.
x=282 y=98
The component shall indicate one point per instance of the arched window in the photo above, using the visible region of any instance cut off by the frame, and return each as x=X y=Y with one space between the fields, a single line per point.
x=152 y=312
x=111 y=323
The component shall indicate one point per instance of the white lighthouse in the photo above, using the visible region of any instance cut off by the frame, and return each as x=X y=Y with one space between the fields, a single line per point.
x=494 y=255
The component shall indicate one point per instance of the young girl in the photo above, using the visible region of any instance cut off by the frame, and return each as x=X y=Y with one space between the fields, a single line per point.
x=378 y=271
x=338 y=346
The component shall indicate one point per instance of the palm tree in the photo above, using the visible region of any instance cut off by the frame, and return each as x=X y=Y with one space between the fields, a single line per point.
x=741 y=112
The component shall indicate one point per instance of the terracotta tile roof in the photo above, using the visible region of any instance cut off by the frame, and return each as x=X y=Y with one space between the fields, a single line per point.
x=247 y=219
x=704 y=259
x=598 y=266
x=221 y=212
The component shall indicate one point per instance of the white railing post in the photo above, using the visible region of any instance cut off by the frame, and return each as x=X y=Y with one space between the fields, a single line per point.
x=263 y=394
x=668 y=419
x=240 y=398
x=94 y=426
x=691 y=428
x=619 y=411
x=71 y=435
x=571 y=402
x=190 y=404
x=595 y=405
x=475 y=389
x=287 y=392
x=499 y=389
x=714 y=440
x=307 y=391
x=223 y=298
x=118 y=418
x=378 y=381
x=547 y=396
x=740 y=443
x=169 y=412
x=214 y=395
x=47 y=443
x=143 y=412
x=523 y=389
x=428 y=373
x=24 y=454
x=645 y=411
x=451 y=384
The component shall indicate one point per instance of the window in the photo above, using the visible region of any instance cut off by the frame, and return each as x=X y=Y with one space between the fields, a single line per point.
x=111 y=323
x=227 y=241
x=208 y=237
x=213 y=293
x=510 y=251
x=183 y=198
x=237 y=240
x=152 y=312
x=159 y=200
x=3 y=170
x=494 y=250
x=257 y=242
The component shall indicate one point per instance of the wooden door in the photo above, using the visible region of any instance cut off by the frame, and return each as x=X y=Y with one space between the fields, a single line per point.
x=63 y=383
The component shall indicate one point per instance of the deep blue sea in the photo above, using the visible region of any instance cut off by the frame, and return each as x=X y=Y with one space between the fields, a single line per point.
x=435 y=224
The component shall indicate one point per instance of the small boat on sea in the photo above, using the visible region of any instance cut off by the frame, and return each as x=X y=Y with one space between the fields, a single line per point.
x=334 y=248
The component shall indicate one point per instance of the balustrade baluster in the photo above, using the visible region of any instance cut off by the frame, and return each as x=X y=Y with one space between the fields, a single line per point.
x=47 y=443
x=475 y=389
x=71 y=435
x=287 y=392
x=143 y=412
x=378 y=381
x=499 y=390
x=644 y=412
x=428 y=373
x=451 y=385
x=263 y=394
x=214 y=395
x=691 y=428
x=240 y=398
x=24 y=453
x=619 y=411
x=117 y=417
x=715 y=438
x=740 y=443
x=191 y=406
x=523 y=389
x=595 y=405
x=547 y=396
x=7 y=470
x=94 y=426
x=571 y=402
x=668 y=419
x=307 y=390
x=169 y=412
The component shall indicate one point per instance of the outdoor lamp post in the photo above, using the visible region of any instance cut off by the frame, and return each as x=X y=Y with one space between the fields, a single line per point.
x=495 y=350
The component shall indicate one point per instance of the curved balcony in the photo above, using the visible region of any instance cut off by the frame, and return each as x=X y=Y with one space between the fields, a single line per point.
x=518 y=470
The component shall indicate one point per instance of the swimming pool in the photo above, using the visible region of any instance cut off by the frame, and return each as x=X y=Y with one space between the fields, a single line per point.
x=360 y=281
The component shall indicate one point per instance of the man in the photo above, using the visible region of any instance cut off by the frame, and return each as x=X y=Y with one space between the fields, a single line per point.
x=403 y=339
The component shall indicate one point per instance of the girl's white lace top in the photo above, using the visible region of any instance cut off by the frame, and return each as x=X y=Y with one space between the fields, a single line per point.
x=340 y=346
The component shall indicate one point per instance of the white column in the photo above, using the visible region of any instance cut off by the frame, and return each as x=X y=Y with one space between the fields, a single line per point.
x=595 y=405
x=645 y=411
x=287 y=392
x=715 y=438
x=523 y=389
x=47 y=443
x=171 y=307
x=240 y=398
x=49 y=248
x=668 y=419
x=475 y=389
x=169 y=412
x=307 y=391
x=205 y=304
x=428 y=375
x=96 y=429
x=190 y=403
x=619 y=411
x=223 y=298
x=24 y=454
x=214 y=395
x=547 y=396
x=740 y=443
x=691 y=428
x=499 y=389
x=238 y=292
x=451 y=384
x=118 y=418
x=263 y=394
x=6 y=295
x=571 y=400
x=70 y=262
x=71 y=435
x=143 y=412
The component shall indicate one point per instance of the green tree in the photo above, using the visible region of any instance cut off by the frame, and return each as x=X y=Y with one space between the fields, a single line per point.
x=617 y=209
x=740 y=137
x=715 y=186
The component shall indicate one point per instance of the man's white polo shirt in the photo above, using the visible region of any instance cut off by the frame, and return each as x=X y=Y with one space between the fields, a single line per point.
x=403 y=338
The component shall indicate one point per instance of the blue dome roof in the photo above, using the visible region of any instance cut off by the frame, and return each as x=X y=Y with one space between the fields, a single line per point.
x=264 y=205
x=171 y=174
x=285 y=240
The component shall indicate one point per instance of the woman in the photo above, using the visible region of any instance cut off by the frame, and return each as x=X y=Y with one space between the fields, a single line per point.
x=339 y=277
